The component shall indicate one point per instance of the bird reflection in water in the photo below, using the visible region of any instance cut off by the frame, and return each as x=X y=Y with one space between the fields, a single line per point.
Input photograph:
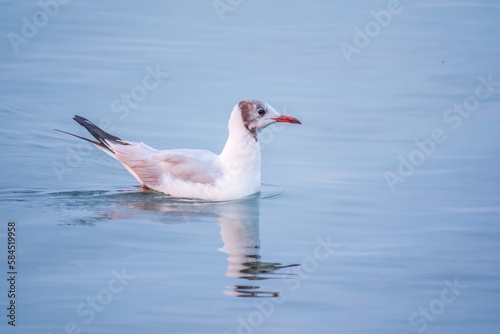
x=239 y=229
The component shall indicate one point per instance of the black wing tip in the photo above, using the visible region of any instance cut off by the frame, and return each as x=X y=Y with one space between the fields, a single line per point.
x=62 y=131
x=81 y=120
x=86 y=139
x=102 y=136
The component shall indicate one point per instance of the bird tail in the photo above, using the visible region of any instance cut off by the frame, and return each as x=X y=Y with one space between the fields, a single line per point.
x=104 y=139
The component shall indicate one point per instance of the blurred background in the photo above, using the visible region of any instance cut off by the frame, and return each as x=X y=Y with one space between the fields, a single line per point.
x=379 y=214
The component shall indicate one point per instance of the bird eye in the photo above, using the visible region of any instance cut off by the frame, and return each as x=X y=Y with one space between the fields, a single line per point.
x=261 y=111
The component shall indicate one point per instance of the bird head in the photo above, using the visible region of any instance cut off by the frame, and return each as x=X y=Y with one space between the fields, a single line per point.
x=257 y=115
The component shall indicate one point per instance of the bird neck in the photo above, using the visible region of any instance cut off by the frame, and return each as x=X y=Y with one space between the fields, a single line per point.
x=241 y=154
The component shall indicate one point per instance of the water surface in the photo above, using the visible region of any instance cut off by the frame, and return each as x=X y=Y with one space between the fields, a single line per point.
x=328 y=246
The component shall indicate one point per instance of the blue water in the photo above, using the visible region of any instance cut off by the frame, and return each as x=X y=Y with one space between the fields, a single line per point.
x=379 y=214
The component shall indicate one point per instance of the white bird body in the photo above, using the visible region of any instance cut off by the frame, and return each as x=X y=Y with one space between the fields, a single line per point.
x=235 y=173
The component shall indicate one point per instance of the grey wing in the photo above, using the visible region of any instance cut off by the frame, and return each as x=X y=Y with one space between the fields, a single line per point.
x=149 y=165
x=196 y=166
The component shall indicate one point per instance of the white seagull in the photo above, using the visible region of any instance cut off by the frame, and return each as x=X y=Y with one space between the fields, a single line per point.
x=201 y=174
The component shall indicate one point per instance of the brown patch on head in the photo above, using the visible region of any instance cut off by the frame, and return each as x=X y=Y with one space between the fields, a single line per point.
x=248 y=110
x=246 y=107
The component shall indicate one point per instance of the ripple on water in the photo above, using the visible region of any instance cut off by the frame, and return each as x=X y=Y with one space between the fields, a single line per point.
x=132 y=196
x=272 y=190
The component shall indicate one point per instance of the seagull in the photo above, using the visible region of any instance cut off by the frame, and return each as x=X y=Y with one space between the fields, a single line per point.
x=198 y=174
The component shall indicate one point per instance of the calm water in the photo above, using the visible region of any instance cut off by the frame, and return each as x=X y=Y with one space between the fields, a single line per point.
x=380 y=214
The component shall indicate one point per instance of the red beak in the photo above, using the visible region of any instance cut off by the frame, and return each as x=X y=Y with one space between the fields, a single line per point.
x=287 y=119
